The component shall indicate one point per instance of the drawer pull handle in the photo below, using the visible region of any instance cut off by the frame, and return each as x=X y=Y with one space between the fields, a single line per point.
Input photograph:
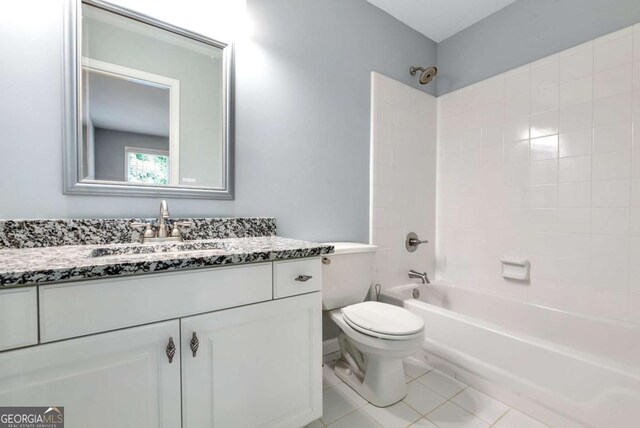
x=171 y=350
x=303 y=278
x=195 y=343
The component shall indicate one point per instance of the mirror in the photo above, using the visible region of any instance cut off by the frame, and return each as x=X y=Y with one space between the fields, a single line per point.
x=148 y=107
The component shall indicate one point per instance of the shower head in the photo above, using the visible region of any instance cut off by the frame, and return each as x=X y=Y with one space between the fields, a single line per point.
x=426 y=74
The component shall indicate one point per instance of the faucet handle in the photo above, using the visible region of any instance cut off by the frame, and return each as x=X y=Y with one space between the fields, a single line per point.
x=148 y=231
x=175 y=232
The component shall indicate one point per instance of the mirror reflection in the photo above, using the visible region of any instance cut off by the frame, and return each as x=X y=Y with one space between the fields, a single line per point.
x=152 y=105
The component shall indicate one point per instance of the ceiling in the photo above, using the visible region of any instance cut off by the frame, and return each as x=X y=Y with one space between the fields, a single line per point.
x=439 y=19
x=129 y=106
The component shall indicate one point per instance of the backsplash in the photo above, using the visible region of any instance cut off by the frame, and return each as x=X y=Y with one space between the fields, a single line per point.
x=50 y=233
x=543 y=162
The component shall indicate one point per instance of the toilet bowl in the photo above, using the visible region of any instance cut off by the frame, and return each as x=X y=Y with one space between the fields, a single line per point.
x=372 y=365
x=374 y=337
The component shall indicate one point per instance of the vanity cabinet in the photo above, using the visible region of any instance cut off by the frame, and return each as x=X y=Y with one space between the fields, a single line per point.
x=255 y=366
x=254 y=361
x=117 y=379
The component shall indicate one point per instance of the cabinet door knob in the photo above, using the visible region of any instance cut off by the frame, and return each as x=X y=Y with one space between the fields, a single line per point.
x=171 y=350
x=303 y=278
x=194 y=344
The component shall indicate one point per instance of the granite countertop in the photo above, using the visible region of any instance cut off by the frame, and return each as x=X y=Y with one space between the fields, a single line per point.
x=45 y=265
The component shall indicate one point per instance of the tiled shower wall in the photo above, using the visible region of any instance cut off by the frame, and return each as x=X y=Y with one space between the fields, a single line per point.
x=403 y=174
x=543 y=163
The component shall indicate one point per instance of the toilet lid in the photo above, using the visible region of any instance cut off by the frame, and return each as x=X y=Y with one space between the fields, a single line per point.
x=382 y=318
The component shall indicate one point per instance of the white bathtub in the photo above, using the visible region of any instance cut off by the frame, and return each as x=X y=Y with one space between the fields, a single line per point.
x=565 y=369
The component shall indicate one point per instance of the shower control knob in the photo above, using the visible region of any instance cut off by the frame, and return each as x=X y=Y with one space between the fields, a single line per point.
x=412 y=242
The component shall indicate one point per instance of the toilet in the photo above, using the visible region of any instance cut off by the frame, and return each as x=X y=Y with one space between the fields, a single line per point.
x=374 y=337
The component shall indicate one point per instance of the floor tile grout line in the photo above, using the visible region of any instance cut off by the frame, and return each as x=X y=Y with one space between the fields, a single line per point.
x=493 y=398
x=352 y=411
x=500 y=418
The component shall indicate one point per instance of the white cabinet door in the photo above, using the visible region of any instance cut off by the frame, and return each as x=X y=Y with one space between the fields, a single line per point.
x=18 y=317
x=256 y=366
x=118 y=379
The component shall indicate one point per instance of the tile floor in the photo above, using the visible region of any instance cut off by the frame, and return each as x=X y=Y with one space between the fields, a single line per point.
x=434 y=400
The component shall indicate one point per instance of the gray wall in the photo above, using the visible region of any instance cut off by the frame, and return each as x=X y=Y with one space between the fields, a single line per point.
x=523 y=32
x=110 y=149
x=302 y=152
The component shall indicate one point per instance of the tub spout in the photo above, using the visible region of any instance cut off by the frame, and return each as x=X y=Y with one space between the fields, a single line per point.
x=422 y=276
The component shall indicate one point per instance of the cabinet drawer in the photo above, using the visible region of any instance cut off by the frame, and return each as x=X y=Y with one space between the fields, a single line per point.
x=18 y=317
x=290 y=277
x=79 y=308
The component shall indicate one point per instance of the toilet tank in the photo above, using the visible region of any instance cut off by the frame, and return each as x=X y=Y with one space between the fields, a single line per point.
x=347 y=274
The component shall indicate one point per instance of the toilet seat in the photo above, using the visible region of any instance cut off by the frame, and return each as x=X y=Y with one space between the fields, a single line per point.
x=383 y=320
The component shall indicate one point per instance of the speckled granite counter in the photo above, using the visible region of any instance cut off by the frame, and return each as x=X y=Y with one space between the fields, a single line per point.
x=38 y=266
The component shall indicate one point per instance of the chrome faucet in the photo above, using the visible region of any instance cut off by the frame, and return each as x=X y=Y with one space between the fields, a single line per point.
x=164 y=233
x=163 y=230
x=422 y=276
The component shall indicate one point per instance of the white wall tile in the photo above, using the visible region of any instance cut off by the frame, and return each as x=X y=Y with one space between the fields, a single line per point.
x=544 y=172
x=613 y=53
x=610 y=193
x=576 y=117
x=517 y=82
x=613 y=165
x=634 y=306
x=514 y=108
x=545 y=99
x=612 y=110
x=634 y=221
x=574 y=195
x=516 y=130
x=610 y=248
x=576 y=143
x=404 y=164
x=516 y=152
x=634 y=278
x=635 y=192
x=612 y=138
x=545 y=75
x=543 y=196
x=543 y=124
x=609 y=276
x=544 y=148
x=636 y=75
x=574 y=220
x=610 y=221
x=576 y=91
x=557 y=181
x=577 y=65
x=575 y=169
x=612 y=82
x=602 y=40
x=493 y=90
x=634 y=250
x=636 y=119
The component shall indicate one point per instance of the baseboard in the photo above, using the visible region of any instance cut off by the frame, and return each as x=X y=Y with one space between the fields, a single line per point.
x=330 y=346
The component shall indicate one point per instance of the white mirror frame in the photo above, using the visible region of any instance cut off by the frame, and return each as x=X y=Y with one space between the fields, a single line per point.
x=72 y=127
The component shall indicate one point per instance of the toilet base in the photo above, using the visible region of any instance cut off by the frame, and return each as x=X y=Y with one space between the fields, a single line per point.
x=382 y=384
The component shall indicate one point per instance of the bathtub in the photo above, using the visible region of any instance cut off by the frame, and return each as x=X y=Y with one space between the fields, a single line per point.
x=565 y=369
